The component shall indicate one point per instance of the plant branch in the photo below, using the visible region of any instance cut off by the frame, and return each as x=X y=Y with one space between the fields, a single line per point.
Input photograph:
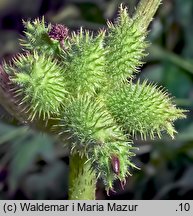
x=145 y=12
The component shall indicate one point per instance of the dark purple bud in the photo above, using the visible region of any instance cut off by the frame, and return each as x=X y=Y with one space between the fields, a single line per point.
x=58 y=32
x=115 y=163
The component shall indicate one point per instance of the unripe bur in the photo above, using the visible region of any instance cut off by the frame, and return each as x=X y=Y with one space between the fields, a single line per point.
x=126 y=44
x=85 y=63
x=143 y=109
x=41 y=84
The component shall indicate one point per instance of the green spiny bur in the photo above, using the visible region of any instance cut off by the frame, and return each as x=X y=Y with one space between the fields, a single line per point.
x=125 y=44
x=104 y=163
x=85 y=63
x=88 y=123
x=37 y=38
x=93 y=133
x=82 y=80
x=143 y=109
x=40 y=82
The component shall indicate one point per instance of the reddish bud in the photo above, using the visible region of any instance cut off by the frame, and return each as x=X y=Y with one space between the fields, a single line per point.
x=115 y=163
x=58 y=32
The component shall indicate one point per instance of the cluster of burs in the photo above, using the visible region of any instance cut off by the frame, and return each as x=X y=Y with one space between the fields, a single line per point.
x=80 y=85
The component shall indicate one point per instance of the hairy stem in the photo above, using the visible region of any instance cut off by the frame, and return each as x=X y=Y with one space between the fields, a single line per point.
x=145 y=12
x=82 y=180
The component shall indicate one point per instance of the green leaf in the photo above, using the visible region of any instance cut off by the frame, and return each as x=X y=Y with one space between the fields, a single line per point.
x=23 y=153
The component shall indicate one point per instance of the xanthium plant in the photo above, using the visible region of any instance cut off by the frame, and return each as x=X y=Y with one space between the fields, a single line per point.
x=80 y=86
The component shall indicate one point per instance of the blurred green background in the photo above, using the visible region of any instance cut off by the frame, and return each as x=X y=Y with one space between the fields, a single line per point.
x=35 y=166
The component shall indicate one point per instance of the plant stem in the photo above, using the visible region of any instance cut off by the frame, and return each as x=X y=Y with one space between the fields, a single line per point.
x=82 y=180
x=145 y=12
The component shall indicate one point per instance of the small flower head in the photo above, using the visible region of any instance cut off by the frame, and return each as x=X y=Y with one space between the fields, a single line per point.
x=58 y=32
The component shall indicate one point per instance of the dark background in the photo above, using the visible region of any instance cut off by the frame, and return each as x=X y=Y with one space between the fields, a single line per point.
x=36 y=167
